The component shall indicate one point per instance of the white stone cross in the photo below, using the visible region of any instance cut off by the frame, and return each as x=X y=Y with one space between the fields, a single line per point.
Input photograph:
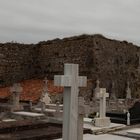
x=70 y=81
x=102 y=120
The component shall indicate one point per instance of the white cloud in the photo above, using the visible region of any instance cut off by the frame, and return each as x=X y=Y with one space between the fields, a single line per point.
x=30 y=21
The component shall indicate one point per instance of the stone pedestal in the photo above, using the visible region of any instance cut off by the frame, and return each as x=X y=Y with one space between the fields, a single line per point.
x=102 y=122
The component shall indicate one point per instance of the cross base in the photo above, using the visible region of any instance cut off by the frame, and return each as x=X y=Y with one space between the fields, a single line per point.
x=102 y=122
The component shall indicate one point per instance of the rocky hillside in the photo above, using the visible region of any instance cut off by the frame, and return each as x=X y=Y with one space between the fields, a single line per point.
x=110 y=61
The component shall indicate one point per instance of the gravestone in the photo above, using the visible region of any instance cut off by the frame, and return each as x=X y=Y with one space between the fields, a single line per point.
x=113 y=95
x=16 y=90
x=71 y=81
x=45 y=98
x=128 y=91
x=97 y=89
x=102 y=120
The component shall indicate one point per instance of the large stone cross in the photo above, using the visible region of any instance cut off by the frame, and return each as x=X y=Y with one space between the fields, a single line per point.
x=102 y=120
x=71 y=81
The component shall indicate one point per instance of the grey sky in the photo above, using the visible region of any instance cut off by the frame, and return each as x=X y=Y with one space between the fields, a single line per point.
x=30 y=21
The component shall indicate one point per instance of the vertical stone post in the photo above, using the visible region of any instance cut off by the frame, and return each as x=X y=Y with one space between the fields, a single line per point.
x=70 y=81
x=16 y=90
x=102 y=120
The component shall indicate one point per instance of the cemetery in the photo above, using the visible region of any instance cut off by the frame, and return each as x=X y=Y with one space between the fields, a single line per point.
x=70 y=96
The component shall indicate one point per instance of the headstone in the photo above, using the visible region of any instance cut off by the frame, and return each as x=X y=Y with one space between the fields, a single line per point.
x=45 y=98
x=113 y=95
x=102 y=120
x=97 y=89
x=16 y=90
x=128 y=91
x=71 y=81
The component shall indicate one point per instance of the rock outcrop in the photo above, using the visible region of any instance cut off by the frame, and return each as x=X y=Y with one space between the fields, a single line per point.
x=110 y=61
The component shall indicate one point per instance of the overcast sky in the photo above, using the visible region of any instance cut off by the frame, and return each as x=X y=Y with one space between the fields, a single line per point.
x=30 y=21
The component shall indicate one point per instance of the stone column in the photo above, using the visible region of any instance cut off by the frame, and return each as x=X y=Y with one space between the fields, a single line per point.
x=71 y=81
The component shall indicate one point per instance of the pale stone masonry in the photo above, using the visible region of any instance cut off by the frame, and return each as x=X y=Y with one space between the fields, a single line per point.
x=71 y=82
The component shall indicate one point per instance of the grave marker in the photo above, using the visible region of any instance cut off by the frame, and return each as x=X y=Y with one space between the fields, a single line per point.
x=70 y=81
x=16 y=90
x=128 y=91
x=102 y=120
x=45 y=98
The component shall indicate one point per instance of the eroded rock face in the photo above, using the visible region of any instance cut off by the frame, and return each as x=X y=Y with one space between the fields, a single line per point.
x=17 y=62
x=98 y=57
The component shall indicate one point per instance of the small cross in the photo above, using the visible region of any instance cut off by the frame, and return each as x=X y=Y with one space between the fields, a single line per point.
x=102 y=95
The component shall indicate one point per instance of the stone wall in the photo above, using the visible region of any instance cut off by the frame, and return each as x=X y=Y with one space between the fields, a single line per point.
x=17 y=62
x=98 y=57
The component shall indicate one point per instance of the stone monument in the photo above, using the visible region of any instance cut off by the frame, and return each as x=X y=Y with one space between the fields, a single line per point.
x=71 y=81
x=128 y=91
x=45 y=98
x=16 y=90
x=102 y=120
x=97 y=89
x=113 y=95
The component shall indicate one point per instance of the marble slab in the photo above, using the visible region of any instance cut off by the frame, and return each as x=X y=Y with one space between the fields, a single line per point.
x=30 y=114
x=104 y=137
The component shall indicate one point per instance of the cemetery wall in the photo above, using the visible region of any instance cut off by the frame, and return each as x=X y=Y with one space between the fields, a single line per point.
x=99 y=58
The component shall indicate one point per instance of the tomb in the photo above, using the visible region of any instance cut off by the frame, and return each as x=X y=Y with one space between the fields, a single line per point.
x=16 y=90
x=133 y=114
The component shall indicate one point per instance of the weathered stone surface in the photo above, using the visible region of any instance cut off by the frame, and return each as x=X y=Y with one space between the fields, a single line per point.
x=17 y=62
x=98 y=57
